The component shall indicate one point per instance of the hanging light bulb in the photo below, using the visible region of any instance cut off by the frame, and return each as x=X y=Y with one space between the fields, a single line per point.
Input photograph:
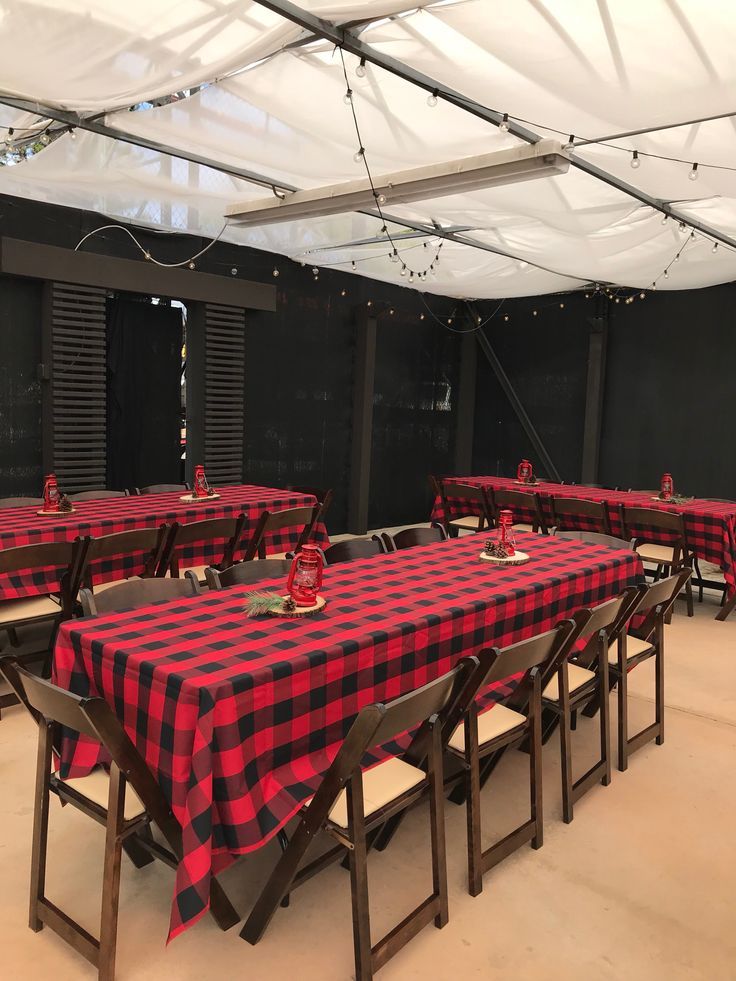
x=394 y=256
x=693 y=175
x=234 y=271
x=677 y=257
x=411 y=277
x=666 y=274
x=570 y=145
x=358 y=155
x=72 y=134
x=384 y=230
x=391 y=311
x=45 y=139
x=315 y=271
x=664 y=219
x=421 y=316
x=343 y=292
x=348 y=97
x=352 y=265
x=635 y=161
x=275 y=271
x=403 y=270
x=715 y=248
x=504 y=124
x=562 y=306
x=432 y=99
x=654 y=286
x=449 y=320
x=642 y=296
x=360 y=70
x=506 y=318
x=191 y=265
x=381 y=199
x=534 y=313
x=681 y=226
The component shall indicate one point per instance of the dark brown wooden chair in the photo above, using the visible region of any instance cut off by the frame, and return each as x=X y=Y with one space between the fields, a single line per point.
x=515 y=501
x=148 y=543
x=470 y=504
x=50 y=610
x=324 y=496
x=641 y=523
x=125 y=801
x=248 y=573
x=21 y=502
x=163 y=489
x=410 y=537
x=97 y=495
x=492 y=731
x=639 y=644
x=270 y=522
x=351 y=803
x=229 y=531
x=132 y=593
x=567 y=510
x=583 y=679
x=354 y=548
x=593 y=538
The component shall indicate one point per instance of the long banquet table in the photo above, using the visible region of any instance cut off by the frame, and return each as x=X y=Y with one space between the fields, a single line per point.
x=24 y=526
x=710 y=526
x=237 y=717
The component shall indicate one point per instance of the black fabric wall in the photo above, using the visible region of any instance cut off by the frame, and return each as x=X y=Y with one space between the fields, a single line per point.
x=20 y=389
x=669 y=381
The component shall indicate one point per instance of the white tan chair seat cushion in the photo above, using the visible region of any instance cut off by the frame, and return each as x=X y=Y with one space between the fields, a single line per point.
x=522 y=526
x=198 y=571
x=381 y=784
x=96 y=787
x=634 y=647
x=493 y=723
x=468 y=523
x=656 y=553
x=29 y=608
x=576 y=678
x=275 y=555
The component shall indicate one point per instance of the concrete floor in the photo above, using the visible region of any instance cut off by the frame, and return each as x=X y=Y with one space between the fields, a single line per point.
x=640 y=886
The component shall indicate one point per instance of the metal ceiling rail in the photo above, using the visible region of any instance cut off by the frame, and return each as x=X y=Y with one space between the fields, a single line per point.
x=76 y=121
x=349 y=42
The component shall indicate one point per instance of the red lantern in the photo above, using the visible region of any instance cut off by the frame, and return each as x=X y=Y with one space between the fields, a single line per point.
x=666 y=487
x=524 y=472
x=50 y=493
x=505 y=524
x=201 y=487
x=305 y=575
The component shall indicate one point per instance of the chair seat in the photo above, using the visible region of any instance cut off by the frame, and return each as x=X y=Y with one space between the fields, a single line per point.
x=29 y=608
x=274 y=555
x=198 y=571
x=494 y=722
x=522 y=526
x=661 y=554
x=468 y=523
x=381 y=785
x=634 y=647
x=96 y=787
x=576 y=678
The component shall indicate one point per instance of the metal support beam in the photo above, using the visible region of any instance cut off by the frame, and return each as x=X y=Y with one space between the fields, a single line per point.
x=466 y=405
x=534 y=438
x=349 y=42
x=597 y=343
x=360 y=466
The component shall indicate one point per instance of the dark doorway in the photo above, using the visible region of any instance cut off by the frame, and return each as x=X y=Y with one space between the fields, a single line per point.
x=144 y=343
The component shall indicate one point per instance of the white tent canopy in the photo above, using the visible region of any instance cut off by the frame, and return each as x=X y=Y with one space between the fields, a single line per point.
x=272 y=106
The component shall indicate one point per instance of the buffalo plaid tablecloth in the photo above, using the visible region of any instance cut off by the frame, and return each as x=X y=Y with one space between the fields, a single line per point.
x=238 y=717
x=710 y=526
x=23 y=526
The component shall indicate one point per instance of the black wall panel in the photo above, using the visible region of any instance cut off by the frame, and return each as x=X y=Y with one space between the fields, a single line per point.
x=20 y=390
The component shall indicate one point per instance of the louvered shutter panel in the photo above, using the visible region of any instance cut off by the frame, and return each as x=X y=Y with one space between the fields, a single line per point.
x=77 y=335
x=224 y=393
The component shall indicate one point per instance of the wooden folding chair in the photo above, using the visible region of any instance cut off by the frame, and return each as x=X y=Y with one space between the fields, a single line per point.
x=229 y=530
x=472 y=501
x=593 y=538
x=269 y=522
x=247 y=573
x=132 y=593
x=639 y=644
x=148 y=542
x=97 y=495
x=351 y=803
x=163 y=489
x=490 y=733
x=581 y=679
x=47 y=610
x=516 y=501
x=411 y=537
x=354 y=548
x=566 y=511
x=20 y=502
x=673 y=558
x=103 y=797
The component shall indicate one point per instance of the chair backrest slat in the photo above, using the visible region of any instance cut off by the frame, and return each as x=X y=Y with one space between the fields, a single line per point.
x=636 y=517
x=303 y=518
x=593 y=538
x=566 y=509
x=417 y=706
x=520 y=658
x=44 y=555
x=518 y=500
x=354 y=548
x=134 y=593
x=247 y=573
x=163 y=489
x=410 y=537
x=45 y=700
x=663 y=592
x=20 y=502
x=96 y=495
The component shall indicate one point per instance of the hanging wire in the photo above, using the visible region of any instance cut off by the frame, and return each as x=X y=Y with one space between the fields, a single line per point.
x=146 y=253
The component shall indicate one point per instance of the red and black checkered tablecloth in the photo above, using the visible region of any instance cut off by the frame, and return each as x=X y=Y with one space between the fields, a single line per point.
x=238 y=717
x=24 y=526
x=710 y=526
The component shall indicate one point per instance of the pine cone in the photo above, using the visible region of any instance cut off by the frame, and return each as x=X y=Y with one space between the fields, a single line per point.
x=65 y=504
x=289 y=605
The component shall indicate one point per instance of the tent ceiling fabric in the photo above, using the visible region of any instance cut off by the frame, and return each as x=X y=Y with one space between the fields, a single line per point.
x=272 y=103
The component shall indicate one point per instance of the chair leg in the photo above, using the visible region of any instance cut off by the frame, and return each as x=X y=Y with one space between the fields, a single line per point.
x=136 y=852
x=566 y=759
x=437 y=830
x=472 y=812
x=689 y=598
x=111 y=878
x=605 y=723
x=40 y=827
x=223 y=912
x=535 y=774
x=659 y=688
x=623 y=722
x=359 y=886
